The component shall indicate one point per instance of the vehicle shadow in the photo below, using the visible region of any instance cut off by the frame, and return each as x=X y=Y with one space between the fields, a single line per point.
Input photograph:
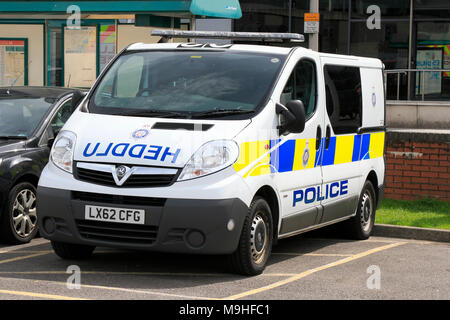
x=154 y=270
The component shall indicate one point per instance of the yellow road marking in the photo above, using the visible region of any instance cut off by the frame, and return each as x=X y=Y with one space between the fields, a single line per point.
x=313 y=254
x=23 y=257
x=311 y=271
x=134 y=273
x=39 y=295
x=33 y=243
x=346 y=240
x=27 y=251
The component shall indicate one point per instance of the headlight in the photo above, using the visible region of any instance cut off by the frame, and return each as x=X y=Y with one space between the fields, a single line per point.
x=211 y=157
x=62 y=150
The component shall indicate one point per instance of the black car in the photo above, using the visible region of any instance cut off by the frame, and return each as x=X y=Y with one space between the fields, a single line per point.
x=30 y=119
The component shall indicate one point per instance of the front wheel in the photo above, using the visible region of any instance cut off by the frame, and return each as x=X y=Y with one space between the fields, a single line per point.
x=19 y=220
x=255 y=243
x=361 y=225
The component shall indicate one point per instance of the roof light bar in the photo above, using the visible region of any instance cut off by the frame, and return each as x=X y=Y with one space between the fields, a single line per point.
x=250 y=36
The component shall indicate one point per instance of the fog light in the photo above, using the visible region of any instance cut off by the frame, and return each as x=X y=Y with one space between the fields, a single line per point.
x=195 y=238
x=49 y=225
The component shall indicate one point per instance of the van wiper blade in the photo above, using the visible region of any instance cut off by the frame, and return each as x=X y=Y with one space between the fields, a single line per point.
x=153 y=113
x=14 y=137
x=220 y=112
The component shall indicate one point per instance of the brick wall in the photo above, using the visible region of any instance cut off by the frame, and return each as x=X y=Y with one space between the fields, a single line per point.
x=417 y=166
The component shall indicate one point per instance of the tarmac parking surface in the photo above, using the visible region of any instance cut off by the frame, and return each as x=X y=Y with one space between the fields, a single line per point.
x=309 y=266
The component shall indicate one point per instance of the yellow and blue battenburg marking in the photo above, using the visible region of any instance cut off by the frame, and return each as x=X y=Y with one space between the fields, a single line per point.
x=299 y=154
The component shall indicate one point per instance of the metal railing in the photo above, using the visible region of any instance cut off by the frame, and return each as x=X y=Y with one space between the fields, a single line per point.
x=422 y=83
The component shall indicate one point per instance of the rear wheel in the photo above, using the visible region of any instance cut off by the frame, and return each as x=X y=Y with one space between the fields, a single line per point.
x=72 y=251
x=19 y=220
x=361 y=225
x=255 y=243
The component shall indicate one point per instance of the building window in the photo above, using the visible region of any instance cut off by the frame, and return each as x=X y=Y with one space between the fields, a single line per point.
x=55 y=57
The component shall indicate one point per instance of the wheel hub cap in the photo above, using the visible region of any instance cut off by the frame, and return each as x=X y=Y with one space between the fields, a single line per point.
x=366 y=211
x=259 y=238
x=24 y=213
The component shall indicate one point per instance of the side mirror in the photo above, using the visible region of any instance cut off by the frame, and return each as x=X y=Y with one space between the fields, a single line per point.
x=76 y=98
x=50 y=142
x=293 y=117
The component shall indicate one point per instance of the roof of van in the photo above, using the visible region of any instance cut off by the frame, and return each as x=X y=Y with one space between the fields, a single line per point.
x=330 y=58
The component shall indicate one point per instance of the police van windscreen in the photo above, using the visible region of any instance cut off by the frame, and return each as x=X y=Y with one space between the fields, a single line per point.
x=186 y=83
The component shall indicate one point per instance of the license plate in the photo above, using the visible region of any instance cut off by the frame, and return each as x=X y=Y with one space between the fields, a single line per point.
x=110 y=214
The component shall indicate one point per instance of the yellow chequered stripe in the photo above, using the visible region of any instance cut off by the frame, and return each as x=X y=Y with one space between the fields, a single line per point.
x=376 y=147
x=298 y=154
x=300 y=146
x=344 y=149
x=252 y=151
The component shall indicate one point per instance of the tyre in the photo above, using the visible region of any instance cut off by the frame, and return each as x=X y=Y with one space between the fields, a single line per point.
x=19 y=219
x=255 y=243
x=72 y=251
x=361 y=225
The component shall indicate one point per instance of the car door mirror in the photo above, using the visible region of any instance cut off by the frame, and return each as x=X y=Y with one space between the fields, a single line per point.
x=77 y=96
x=292 y=117
x=50 y=142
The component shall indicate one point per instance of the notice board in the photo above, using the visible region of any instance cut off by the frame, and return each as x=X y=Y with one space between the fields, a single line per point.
x=13 y=62
x=432 y=81
x=80 y=56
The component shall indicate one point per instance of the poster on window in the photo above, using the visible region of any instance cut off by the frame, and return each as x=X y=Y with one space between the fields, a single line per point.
x=80 y=56
x=107 y=44
x=432 y=81
x=13 y=62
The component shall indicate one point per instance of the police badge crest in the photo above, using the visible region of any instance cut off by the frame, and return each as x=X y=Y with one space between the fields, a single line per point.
x=305 y=157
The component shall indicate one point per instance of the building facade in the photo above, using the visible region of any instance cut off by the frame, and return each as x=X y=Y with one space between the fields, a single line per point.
x=39 y=45
x=68 y=43
x=404 y=34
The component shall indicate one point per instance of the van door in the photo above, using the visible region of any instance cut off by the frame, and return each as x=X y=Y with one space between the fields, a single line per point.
x=298 y=174
x=341 y=171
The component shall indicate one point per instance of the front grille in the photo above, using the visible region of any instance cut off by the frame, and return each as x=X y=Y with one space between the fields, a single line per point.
x=118 y=199
x=134 y=181
x=117 y=232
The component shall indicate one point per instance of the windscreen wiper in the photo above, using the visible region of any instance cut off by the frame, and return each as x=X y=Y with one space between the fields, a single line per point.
x=14 y=137
x=220 y=112
x=154 y=113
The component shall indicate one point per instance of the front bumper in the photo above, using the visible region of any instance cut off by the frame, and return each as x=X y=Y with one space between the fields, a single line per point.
x=171 y=225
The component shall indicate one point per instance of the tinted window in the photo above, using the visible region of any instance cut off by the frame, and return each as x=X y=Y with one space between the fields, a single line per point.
x=20 y=116
x=343 y=98
x=302 y=86
x=185 y=81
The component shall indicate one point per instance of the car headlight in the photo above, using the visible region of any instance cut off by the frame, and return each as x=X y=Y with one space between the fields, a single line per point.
x=62 y=150
x=211 y=157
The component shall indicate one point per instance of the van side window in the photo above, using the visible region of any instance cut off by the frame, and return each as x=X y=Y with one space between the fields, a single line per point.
x=343 y=98
x=302 y=86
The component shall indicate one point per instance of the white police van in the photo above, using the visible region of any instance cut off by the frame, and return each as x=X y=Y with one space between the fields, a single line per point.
x=217 y=149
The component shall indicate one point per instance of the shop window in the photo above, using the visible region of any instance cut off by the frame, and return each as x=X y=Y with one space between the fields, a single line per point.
x=343 y=98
